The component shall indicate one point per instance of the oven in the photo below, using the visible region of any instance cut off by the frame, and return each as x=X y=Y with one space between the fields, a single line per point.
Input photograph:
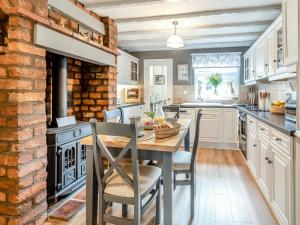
x=242 y=131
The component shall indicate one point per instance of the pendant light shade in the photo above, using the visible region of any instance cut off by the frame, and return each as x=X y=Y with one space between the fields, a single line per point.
x=175 y=41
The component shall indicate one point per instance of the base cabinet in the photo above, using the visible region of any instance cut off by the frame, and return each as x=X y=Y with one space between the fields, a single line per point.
x=282 y=186
x=270 y=160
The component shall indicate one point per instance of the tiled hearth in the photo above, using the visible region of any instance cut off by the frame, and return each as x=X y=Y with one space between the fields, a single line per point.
x=25 y=102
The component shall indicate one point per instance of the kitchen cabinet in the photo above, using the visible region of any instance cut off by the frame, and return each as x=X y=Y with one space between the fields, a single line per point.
x=127 y=67
x=218 y=126
x=270 y=160
x=264 y=166
x=252 y=150
x=249 y=70
x=130 y=111
x=261 y=58
x=211 y=126
x=230 y=125
x=290 y=33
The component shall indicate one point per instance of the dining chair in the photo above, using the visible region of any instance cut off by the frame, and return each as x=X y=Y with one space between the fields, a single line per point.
x=114 y=115
x=184 y=163
x=127 y=184
x=172 y=108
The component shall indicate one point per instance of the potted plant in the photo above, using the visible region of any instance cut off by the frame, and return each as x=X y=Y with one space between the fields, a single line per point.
x=215 y=80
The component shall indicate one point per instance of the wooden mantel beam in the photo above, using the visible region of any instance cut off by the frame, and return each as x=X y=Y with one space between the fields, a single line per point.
x=240 y=11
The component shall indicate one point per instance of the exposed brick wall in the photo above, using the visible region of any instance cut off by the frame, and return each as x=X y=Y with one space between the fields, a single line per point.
x=23 y=150
x=23 y=87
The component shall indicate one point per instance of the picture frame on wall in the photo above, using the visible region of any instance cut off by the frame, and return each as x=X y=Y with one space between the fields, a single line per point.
x=183 y=72
x=159 y=79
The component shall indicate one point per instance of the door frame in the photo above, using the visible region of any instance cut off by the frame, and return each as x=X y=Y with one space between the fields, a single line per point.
x=169 y=63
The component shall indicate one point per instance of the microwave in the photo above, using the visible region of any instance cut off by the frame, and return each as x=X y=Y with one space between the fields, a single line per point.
x=132 y=95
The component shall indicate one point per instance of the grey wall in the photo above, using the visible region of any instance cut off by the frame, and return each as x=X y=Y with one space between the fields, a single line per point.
x=181 y=57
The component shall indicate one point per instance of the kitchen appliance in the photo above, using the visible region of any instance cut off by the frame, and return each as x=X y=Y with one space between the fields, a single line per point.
x=290 y=106
x=242 y=132
x=132 y=95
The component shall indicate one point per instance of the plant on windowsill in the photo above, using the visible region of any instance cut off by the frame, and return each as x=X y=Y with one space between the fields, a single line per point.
x=215 y=80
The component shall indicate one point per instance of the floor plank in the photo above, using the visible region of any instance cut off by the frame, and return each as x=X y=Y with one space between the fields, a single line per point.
x=226 y=194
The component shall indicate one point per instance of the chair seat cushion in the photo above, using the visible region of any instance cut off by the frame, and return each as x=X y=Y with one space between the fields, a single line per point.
x=116 y=185
x=182 y=160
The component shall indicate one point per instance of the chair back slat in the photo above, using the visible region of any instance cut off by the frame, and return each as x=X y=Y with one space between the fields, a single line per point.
x=101 y=150
x=114 y=115
x=172 y=108
x=196 y=140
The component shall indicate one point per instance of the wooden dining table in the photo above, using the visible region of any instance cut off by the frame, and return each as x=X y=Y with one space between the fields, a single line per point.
x=149 y=149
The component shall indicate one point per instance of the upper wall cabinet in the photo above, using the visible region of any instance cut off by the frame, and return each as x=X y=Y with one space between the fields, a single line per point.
x=290 y=31
x=274 y=54
x=127 y=66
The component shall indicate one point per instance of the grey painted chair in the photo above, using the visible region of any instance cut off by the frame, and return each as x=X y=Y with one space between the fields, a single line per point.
x=114 y=115
x=184 y=163
x=127 y=184
x=172 y=108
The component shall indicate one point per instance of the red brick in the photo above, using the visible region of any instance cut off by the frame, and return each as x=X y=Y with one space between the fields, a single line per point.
x=40 y=62
x=26 y=48
x=3 y=147
x=14 y=160
x=95 y=95
x=37 y=141
x=40 y=85
x=26 y=73
x=2 y=172
x=95 y=108
x=31 y=167
x=27 y=120
x=19 y=21
x=88 y=114
x=23 y=134
x=15 y=59
x=40 y=152
x=27 y=193
x=19 y=34
x=102 y=102
x=2 y=220
x=10 y=84
x=26 y=96
x=88 y=102
x=2 y=72
x=40 y=129
x=11 y=110
x=2 y=197
x=39 y=108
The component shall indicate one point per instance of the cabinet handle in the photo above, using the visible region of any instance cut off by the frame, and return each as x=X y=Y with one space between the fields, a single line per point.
x=267 y=158
x=269 y=161
x=278 y=139
x=254 y=145
x=250 y=121
x=262 y=129
x=266 y=65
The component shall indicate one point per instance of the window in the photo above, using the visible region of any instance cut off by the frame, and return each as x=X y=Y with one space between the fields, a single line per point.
x=217 y=75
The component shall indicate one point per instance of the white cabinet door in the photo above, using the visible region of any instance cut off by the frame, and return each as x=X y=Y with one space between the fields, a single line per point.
x=264 y=167
x=282 y=186
x=211 y=128
x=127 y=67
x=290 y=29
x=252 y=151
x=261 y=58
x=189 y=113
x=230 y=125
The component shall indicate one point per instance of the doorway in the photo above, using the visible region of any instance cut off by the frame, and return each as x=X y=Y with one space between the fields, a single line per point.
x=158 y=83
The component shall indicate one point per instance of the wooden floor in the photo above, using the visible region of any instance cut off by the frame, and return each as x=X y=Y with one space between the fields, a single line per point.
x=226 y=195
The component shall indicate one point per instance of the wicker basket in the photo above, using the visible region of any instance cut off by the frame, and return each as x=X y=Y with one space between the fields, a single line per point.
x=280 y=110
x=167 y=132
x=148 y=127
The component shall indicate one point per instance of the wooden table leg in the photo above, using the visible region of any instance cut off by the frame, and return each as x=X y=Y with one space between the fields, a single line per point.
x=168 y=188
x=91 y=189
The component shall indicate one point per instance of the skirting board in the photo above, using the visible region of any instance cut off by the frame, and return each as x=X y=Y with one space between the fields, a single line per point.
x=216 y=145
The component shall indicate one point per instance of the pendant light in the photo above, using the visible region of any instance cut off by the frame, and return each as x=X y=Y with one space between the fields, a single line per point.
x=175 y=41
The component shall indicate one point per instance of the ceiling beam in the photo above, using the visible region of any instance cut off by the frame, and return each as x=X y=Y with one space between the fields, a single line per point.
x=118 y=3
x=191 y=46
x=193 y=28
x=187 y=39
x=268 y=8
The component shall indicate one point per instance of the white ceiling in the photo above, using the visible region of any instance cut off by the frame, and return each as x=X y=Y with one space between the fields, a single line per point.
x=145 y=25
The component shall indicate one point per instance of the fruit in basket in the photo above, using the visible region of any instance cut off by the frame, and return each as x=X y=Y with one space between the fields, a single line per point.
x=278 y=103
x=159 y=120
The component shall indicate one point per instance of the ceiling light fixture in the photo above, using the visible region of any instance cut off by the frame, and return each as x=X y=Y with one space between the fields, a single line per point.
x=175 y=41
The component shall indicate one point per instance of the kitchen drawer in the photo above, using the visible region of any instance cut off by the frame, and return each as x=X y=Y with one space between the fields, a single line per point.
x=282 y=141
x=263 y=130
x=213 y=112
x=251 y=123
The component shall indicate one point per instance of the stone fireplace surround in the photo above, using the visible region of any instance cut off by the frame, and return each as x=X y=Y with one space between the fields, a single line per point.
x=25 y=101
